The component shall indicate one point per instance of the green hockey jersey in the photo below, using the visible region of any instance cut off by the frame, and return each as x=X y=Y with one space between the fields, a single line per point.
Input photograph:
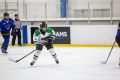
x=38 y=36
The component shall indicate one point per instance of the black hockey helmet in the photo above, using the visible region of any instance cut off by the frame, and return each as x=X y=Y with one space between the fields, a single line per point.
x=43 y=24
x=16 y=14
x=5 y=14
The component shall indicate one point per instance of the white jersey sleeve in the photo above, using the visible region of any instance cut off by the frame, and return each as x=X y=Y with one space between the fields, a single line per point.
x=37 y=39
x=53 y=34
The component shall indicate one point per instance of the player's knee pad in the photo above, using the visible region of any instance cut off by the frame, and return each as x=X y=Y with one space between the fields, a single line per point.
x=36 y=55
x=6 y=41
x=52 y=52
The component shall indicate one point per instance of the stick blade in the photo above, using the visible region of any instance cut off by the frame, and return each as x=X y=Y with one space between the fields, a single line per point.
x=119 y=67
x=103 y=62
x=12 y=60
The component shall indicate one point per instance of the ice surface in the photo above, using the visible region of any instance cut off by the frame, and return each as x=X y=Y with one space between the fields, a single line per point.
x=76 y=63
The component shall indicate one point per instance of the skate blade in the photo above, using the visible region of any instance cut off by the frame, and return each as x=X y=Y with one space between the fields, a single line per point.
x=31 y=65
x=4 y=53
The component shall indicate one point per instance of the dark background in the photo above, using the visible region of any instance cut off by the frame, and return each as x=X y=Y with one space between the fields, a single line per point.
x=58 y=40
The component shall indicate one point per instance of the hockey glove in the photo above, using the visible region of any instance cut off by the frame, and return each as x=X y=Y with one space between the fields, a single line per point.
x=12 y=33
x=50 y=40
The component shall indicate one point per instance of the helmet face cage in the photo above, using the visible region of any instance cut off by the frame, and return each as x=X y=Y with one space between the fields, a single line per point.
x=43 y=24
x=5 y=14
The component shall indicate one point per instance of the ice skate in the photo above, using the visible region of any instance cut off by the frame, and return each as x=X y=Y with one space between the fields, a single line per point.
x=56 y=60
x=32 y=63
x=4 y=51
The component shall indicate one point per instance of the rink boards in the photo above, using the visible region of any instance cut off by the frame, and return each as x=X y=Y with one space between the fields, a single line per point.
x=80 y=35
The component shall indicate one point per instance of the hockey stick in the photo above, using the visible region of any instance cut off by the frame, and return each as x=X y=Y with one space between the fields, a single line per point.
x=22 y=57
x=108 y=55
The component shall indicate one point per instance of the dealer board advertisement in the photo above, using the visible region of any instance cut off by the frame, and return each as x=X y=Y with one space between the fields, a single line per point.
x=62 y=34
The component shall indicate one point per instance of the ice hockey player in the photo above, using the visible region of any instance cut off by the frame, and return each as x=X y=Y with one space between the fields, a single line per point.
x=5 y=25
x=118 y=39
x=44 y=36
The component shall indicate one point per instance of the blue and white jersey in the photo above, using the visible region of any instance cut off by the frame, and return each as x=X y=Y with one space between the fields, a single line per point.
x=118 y=27
x=6 y=26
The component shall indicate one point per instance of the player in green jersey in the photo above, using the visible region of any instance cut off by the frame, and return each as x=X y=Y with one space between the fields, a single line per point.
x=44 y=36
